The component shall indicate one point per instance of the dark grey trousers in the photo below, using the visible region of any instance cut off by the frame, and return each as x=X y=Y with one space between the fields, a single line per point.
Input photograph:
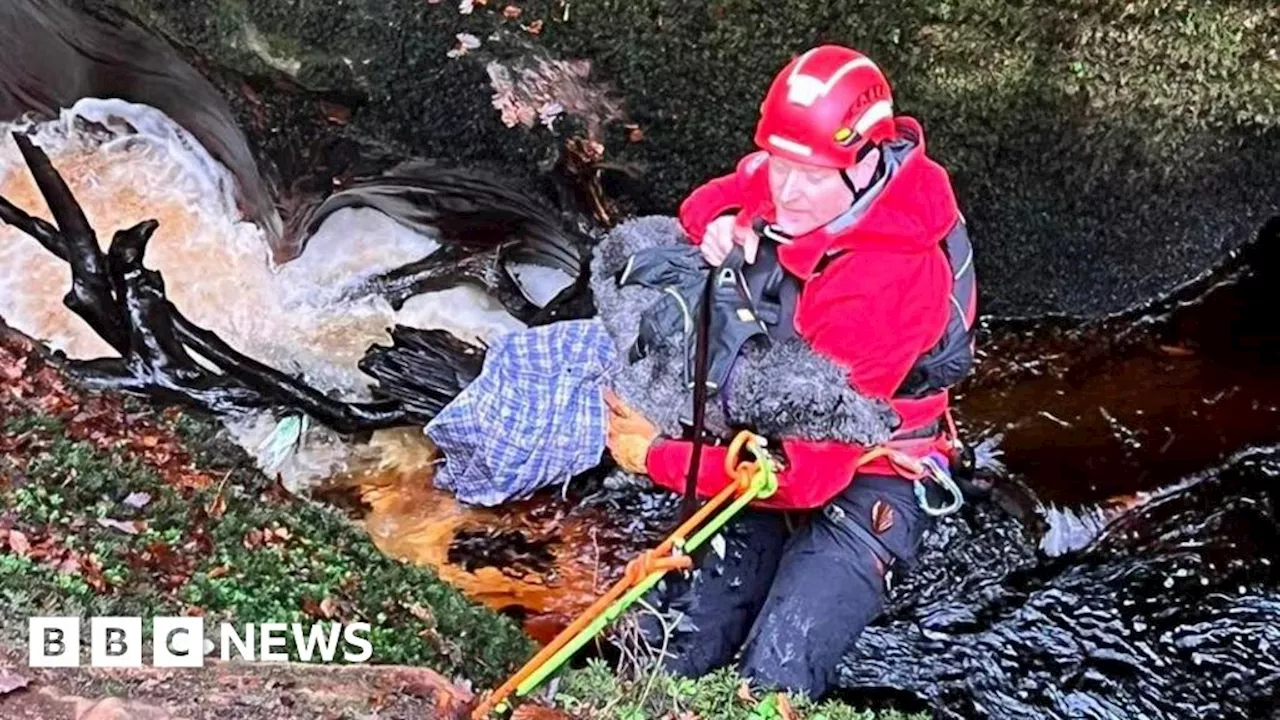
x=791 y=593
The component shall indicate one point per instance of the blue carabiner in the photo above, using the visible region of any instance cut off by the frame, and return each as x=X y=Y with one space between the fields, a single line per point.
x=936 y=472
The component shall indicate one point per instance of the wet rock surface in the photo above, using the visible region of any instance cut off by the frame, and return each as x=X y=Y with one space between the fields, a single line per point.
x=1094 y=174
x=1174 y=613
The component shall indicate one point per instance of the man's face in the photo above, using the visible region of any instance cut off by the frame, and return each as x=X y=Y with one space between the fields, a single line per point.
x=806 y=197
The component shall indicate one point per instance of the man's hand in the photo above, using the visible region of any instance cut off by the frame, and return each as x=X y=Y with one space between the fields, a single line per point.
x=721 y=236
x=630 y=435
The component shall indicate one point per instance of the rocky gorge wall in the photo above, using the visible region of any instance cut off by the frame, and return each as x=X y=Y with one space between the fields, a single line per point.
x=1103 y=152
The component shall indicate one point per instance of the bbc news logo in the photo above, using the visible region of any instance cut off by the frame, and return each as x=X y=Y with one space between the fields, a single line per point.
x=179 y=642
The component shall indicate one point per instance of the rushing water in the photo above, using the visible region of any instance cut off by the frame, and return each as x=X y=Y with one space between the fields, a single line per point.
x=1106 y=581
x=126 y=163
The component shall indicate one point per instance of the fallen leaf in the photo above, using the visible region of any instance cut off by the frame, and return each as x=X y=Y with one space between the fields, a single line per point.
x=784 y=708
x=91 y=569
x=150 y=441
x=18 y=543
x=216 y=507
x=423 y=614
x=283 y=533
x=131 y=527
x=10 y=681
x=311 y=607
x=534 y=28
x=635 y=134
x=137 y=500
x=46 y=548
x=329 y=607
x=744 y=693
x=1177 y=351
x=219 y=571
x=70 y=565
x=252 y=539
x=466 y=43
x=511 y=12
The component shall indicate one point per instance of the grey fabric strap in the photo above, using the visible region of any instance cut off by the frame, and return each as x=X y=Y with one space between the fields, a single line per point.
x=837 y=515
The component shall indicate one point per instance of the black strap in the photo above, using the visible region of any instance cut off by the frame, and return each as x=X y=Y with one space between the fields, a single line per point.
x=701 y=365
x=701 y=368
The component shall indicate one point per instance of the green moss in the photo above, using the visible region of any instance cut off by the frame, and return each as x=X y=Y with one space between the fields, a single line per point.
x=596 y=692
x=254 y=555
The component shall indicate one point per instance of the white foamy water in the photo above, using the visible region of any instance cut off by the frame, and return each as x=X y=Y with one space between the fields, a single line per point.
x=216 y=266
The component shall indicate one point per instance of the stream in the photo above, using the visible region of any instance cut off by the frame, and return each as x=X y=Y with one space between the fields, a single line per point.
x=1124 y=567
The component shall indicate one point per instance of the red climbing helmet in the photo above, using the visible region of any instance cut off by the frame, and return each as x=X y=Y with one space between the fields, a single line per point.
x=824 y=107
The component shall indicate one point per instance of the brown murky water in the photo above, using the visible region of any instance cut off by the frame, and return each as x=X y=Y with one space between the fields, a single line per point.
x=543 y=560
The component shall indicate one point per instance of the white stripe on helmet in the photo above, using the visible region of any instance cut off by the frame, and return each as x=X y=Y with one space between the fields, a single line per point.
x=874 y=114
x=805 y=89
x=790 y=145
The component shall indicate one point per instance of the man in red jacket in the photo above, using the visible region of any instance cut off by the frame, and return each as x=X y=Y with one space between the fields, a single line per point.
x=868 y=224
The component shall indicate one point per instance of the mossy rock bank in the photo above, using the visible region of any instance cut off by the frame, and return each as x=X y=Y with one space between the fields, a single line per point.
x=1103 y=151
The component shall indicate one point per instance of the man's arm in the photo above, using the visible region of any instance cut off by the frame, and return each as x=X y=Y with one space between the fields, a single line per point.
x=746 y=189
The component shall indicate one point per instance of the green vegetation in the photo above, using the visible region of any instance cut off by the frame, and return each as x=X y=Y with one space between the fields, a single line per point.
x=92 y=531
x=595 y=692
x=95 y=526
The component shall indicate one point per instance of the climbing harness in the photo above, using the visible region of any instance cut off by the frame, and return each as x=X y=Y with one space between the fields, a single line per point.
x=932 y=468
x=753 y=479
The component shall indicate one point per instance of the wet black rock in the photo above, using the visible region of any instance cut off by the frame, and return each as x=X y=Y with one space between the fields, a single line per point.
x=1173 y=613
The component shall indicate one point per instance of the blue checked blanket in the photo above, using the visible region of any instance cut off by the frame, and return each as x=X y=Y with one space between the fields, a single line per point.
x=534 y=417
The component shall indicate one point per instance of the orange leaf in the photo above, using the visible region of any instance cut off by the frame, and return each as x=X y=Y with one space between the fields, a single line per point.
x=252 y=539
x=18 y=543
x=217 y=507
x=784 y=708
x=511 y=12
x=329 y=607
x=534 y=28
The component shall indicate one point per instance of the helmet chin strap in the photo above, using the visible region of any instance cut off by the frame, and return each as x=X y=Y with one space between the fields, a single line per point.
x=875 y=176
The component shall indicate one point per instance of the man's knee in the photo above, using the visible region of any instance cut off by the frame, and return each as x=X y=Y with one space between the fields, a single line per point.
x=817 y=608
x=830 y=584
x=706 y=615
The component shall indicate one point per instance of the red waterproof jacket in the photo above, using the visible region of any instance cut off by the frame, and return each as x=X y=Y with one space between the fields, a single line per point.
x=880 y=301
